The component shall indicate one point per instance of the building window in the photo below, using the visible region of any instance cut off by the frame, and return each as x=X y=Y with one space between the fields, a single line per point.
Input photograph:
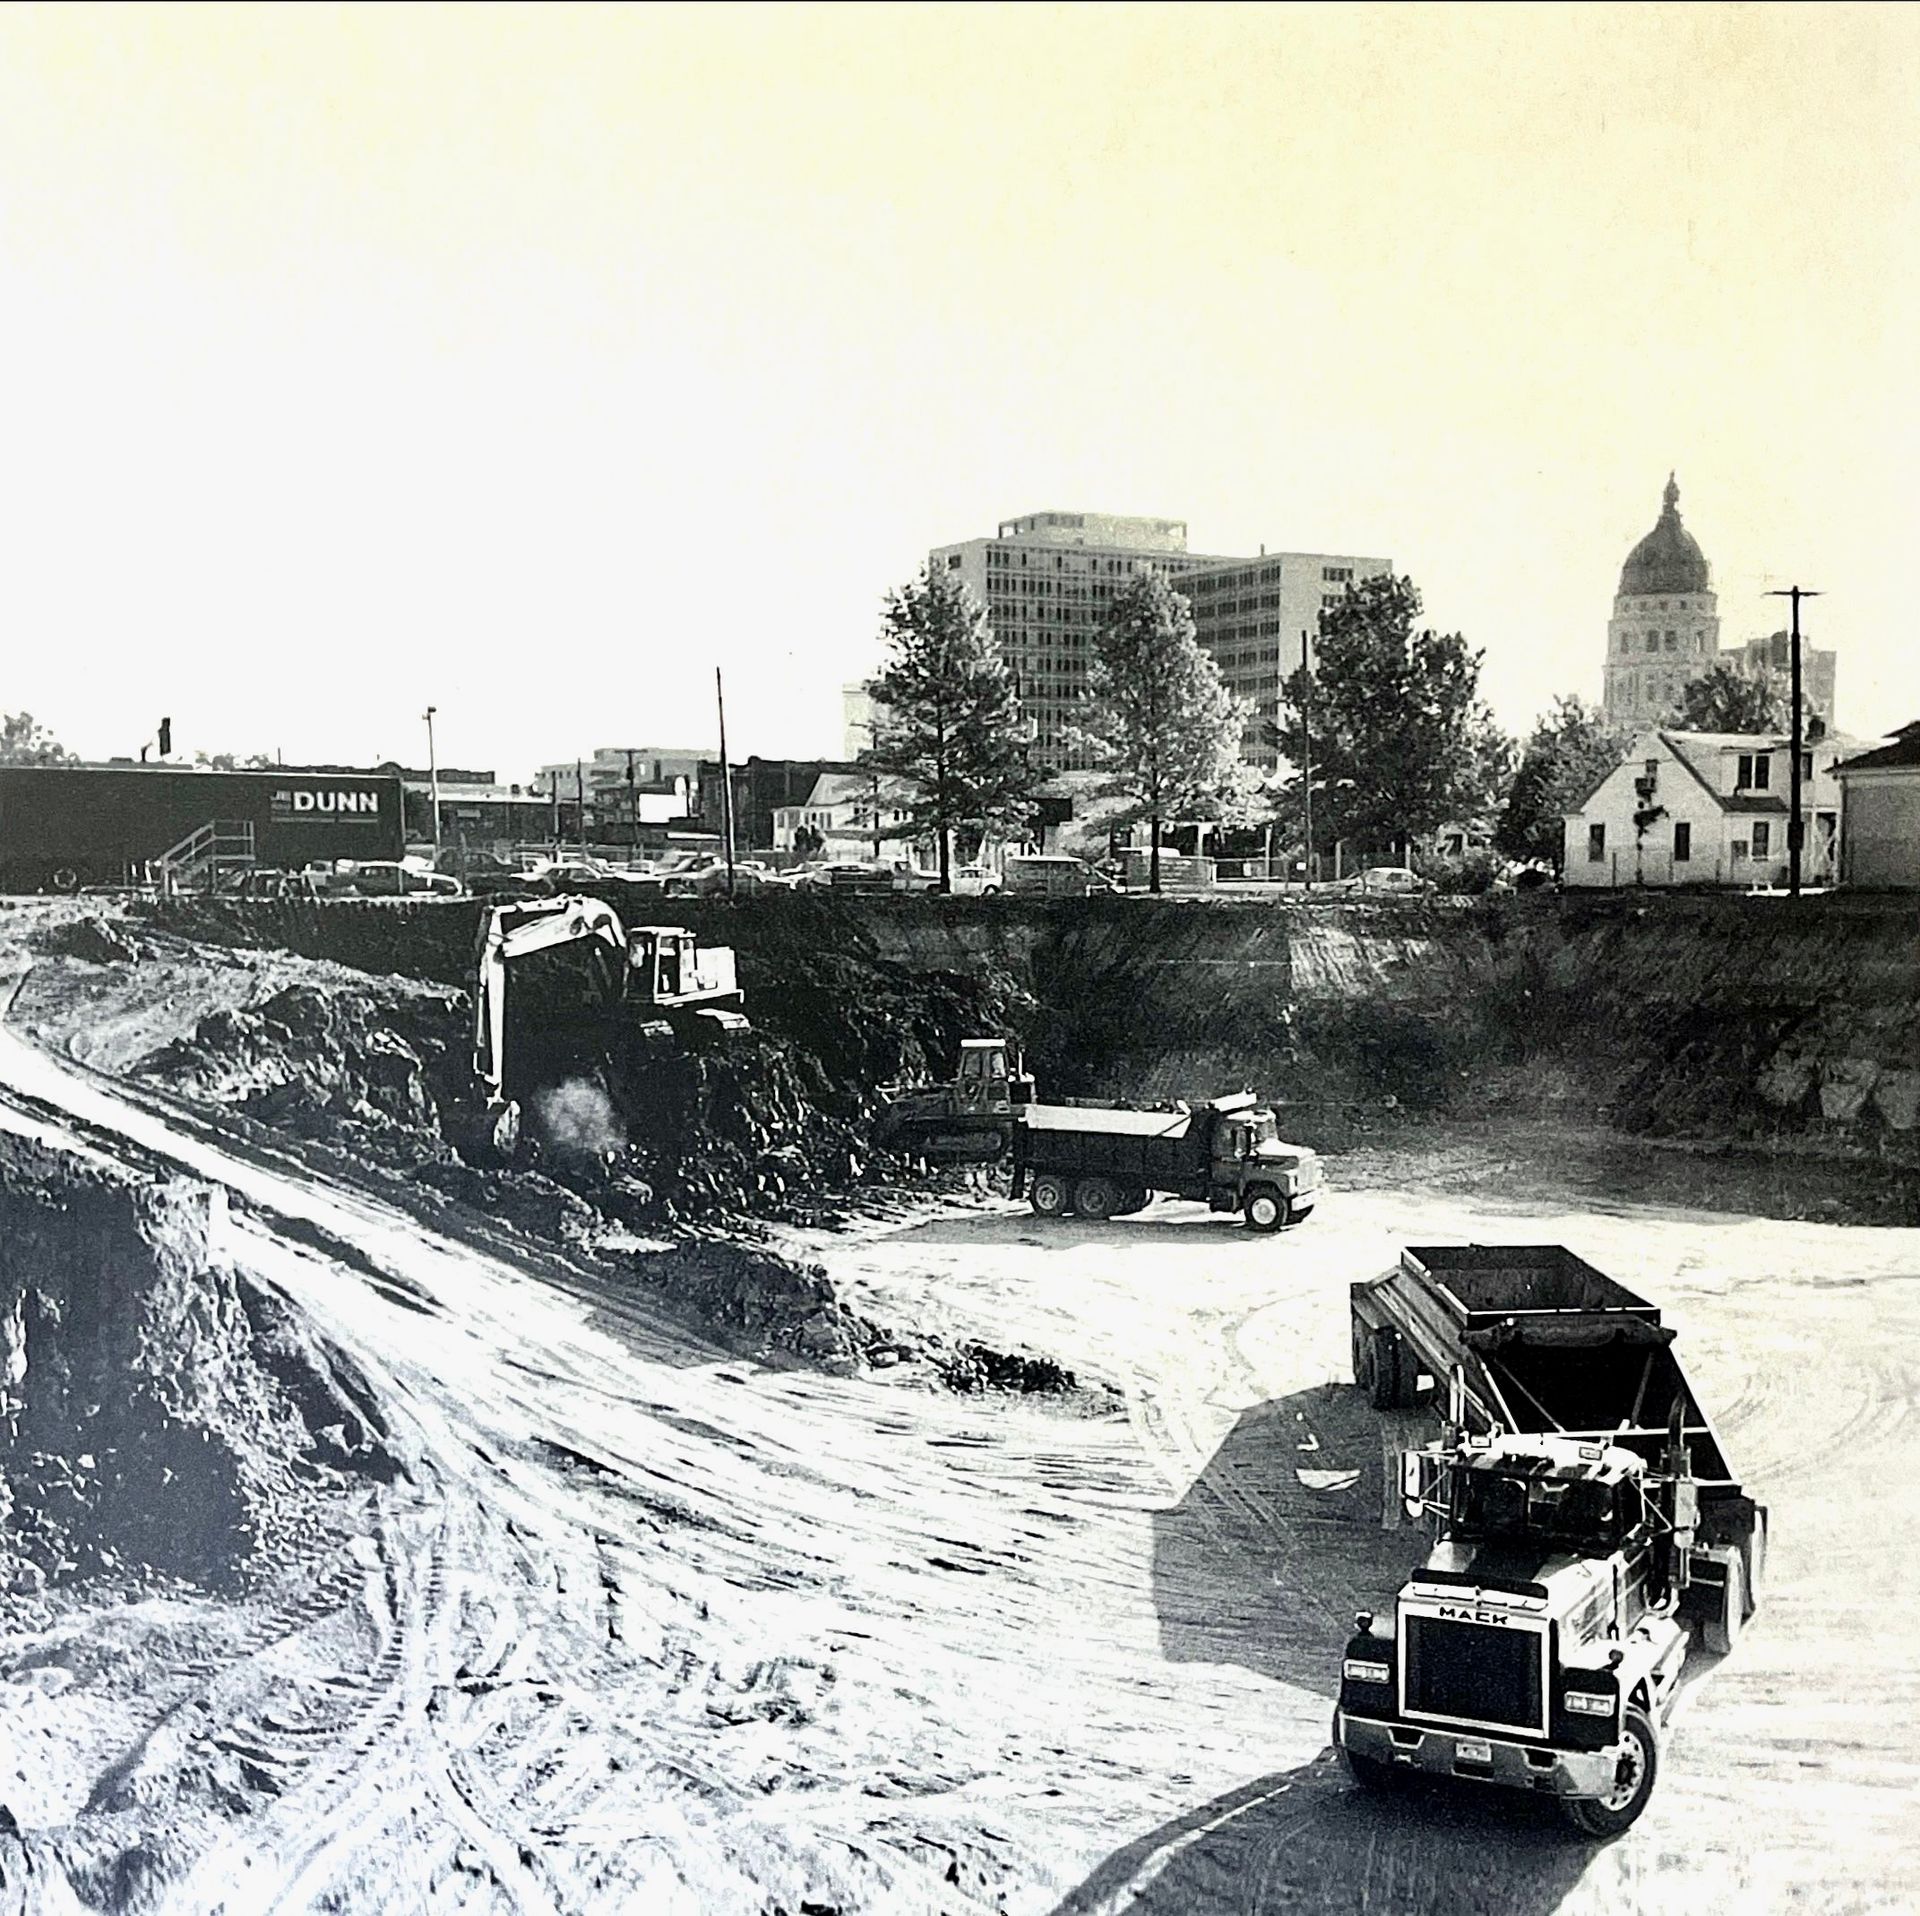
x=1596 y=843
x=1682 y=842
x=1739 y=850
x=1653 y=641
x=1762 y=835
x=1754 y=772
x=953 y=562
x=1336 y=574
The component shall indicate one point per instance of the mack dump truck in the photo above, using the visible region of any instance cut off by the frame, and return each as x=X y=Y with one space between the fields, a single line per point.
x=1587 y=1524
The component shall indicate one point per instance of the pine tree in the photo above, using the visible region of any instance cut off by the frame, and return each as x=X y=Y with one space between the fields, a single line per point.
x=948 y=736
x=1162 y=729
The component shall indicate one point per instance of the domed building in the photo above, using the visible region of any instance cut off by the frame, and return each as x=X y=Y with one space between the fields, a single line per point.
x=1665 y=628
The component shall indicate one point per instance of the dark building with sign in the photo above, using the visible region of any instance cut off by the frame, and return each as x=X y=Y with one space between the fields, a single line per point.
x=63 y=826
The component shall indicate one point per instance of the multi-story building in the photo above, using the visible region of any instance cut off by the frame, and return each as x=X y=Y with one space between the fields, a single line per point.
x=1256 y=617
x=1048 y=582
x=625 y=784
x=1770 y=659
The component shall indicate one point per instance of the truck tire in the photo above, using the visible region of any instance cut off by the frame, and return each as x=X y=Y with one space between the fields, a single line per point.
x=1723 y=1623
x=1096 y=1197
x=1265 y=1208
x=1048 y=1195
x=1367 y=1771
x=66 y=879
x=1136 y=1197
x=1385 y=1362
x=1619 y=1810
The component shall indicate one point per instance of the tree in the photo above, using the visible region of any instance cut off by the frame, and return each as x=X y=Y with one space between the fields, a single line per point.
x=947 y=731
x=233 y=762
x=1401 y=741
x=25 y=741
x=1723 y=700
x=1162 y=729
x=1570 y=750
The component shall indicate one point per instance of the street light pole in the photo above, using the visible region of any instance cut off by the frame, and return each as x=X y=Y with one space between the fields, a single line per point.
x=433 y=785
x=1794 y=834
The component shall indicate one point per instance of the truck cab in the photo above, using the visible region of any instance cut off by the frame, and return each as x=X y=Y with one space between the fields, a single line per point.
x=1252 y=1169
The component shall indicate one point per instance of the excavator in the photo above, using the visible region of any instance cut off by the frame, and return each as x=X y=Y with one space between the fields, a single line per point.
x=565 y=991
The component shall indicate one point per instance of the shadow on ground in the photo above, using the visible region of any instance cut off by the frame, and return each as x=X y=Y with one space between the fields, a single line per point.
x=1262 y=1564
x=1307 y=1840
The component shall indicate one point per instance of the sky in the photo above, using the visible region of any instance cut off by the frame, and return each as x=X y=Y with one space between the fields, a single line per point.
x=532 y=362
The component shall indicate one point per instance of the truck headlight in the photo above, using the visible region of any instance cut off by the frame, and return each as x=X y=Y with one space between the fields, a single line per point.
x=1361 y=1670
x=1586 y=1703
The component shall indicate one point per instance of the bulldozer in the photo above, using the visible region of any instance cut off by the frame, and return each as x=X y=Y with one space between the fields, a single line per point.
x=969 y=1119
x=564 y=991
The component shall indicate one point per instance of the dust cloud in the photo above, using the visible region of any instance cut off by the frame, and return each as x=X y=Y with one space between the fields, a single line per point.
x=579 y=1116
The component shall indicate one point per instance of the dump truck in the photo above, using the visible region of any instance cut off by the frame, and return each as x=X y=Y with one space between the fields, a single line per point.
x=1103 y=1160
x=564 y=991
x=1587 y=1528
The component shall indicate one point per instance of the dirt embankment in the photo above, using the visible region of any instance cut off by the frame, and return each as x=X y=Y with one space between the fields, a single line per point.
x=159 y=1416
x=1762 y=1022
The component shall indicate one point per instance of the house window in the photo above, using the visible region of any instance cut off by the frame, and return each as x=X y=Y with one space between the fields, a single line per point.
x=1739 y=850
x=1682 y=842
x=1754 y=772
x=1596 y=842
x=1806 y=767
x=1653 y=641
x=1762 y=833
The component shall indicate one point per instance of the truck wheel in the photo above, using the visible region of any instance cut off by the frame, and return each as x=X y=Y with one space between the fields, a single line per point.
x=1096 y=1197
x=1048 y=1195
x=1368 y=1771
x=1620 y=1808
x=1724 y=1620
x=1384 y=1357
x=66 y=879
x=1136 y=1197
x=1266 y=1210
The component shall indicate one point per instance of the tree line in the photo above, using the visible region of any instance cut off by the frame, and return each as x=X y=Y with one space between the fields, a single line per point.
x=1382 y=731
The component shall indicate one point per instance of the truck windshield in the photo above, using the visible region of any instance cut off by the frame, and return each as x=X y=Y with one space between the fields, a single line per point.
x=1490 y=1503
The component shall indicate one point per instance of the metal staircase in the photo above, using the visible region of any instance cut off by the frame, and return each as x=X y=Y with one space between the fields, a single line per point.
x=204 y=857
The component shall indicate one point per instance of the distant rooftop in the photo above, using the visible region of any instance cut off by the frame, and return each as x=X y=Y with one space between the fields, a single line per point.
x=1098 y=529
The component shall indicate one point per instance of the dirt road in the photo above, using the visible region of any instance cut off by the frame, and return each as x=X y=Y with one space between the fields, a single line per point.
x=637 y=1627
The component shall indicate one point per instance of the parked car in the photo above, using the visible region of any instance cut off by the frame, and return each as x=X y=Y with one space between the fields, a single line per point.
x=975 y=881
x=265 y=882
x=383 y=878
x=1054 y=875
x=1393 y=881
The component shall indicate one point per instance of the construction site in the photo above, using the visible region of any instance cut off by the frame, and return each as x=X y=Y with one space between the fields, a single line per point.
x=832 y=1404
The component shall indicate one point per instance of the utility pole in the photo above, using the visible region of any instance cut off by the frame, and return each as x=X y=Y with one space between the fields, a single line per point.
x=1795 y=835
x=433 y=785
x=580 y=805
x=633 y=814
x=1306 y=757
x=726 y=778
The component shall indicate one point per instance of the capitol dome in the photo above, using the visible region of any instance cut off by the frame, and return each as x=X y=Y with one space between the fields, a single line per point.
x=1668 y=562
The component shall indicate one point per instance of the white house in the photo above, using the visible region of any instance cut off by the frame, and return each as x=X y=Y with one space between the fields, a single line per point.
x=841 y=809
x=1708 y=808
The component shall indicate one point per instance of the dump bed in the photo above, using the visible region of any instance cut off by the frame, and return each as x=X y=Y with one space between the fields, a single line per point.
x=1545 y=1343
x=1161 y=1149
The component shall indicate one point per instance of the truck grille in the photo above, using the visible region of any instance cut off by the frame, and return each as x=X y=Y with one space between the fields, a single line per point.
x=1476 y=1672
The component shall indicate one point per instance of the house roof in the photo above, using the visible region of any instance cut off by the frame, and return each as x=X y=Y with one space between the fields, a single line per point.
x=1744 y=804
x=1902 y=753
